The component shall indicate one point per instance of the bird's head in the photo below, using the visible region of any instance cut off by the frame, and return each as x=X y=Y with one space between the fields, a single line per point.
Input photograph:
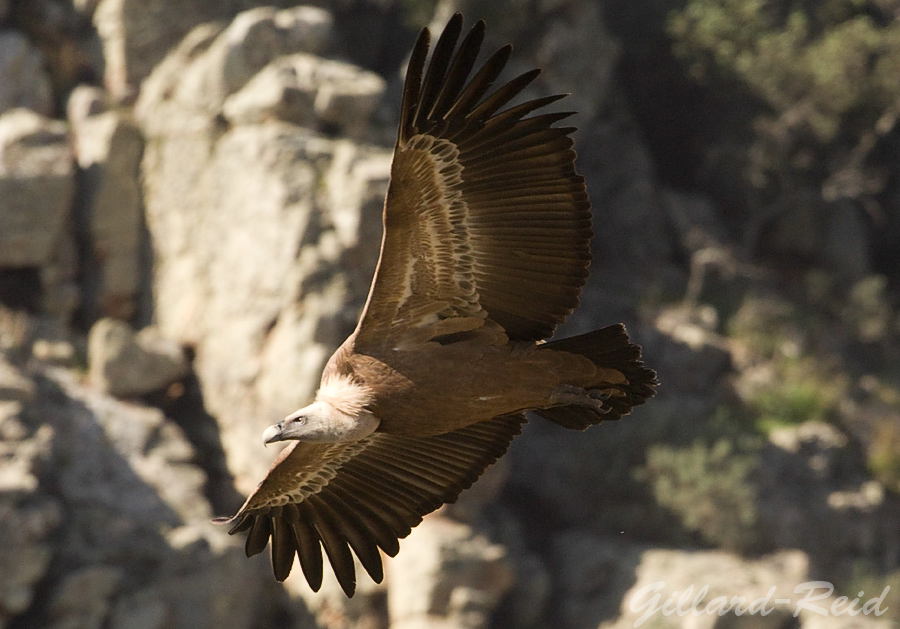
x=322 y=422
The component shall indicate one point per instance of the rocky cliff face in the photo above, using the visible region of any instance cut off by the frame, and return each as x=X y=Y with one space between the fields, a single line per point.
x=190 y=214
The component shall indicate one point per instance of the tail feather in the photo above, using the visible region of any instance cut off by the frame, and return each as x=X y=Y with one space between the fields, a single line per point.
x=609 y=348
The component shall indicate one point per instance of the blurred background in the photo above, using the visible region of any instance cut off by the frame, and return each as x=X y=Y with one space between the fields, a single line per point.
x=190 y=198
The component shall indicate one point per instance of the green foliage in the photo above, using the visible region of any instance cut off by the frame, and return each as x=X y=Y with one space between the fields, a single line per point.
x=767 y=326
x=826 y=74
x=708 y=488
x=827 y=61
x=793 y=382
x=868 y=310
x=797 y=393
x=882 y=412
x=884 y=455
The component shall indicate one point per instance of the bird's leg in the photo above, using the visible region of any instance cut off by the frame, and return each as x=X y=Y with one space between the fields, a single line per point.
x=568 y=395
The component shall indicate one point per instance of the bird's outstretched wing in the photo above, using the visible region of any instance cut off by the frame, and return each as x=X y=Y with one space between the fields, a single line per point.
x=485 y=218
x=362 y=495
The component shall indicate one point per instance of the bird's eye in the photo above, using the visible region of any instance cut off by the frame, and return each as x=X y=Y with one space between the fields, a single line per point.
x=300 y=420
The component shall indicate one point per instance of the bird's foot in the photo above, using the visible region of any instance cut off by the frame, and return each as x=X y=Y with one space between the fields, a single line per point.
x=594 y=399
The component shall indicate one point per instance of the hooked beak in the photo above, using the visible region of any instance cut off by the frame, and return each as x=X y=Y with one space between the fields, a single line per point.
x=273 y=433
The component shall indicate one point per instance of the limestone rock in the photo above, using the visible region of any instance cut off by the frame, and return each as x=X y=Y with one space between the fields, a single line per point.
x=306 y=28
x=816 y=497
x=28 y=519
x=55 y=351
x=52 y=342
x=346 y=97
x=331 y=607
x=706 y=581
x=267 y=214
x=61 y=293
x=151 y=449
x=27 y=526
x=82 y=600
x=276 y=92
x=137 y=34
x=11 y=427
x=159 y=108
x=36 y=187
x=85 y=7
x=446 y=575
x=248 y=44
x=108 y=150
x=137 y=548
x=16 y=330
x=85 y=101
x=309 y=91
x=123 y=363
x=199 y=588
x=24 y=81
x=13 y=384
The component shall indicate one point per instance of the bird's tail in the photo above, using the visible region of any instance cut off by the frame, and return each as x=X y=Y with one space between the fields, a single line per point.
x=608 y=348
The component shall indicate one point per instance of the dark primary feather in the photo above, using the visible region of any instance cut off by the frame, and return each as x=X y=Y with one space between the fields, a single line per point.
x=440 y=59
x=306 y=539
x=412 y=85
x=459 y=70
x=478 y=86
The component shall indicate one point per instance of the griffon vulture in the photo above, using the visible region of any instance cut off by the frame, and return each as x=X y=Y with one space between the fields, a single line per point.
x=485 y=251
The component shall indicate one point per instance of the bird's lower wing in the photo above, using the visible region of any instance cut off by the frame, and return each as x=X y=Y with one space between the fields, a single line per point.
x=362 y=496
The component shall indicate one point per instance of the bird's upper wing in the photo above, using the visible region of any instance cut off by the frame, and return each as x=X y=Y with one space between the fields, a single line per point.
x=363 y=495
x=485 y=217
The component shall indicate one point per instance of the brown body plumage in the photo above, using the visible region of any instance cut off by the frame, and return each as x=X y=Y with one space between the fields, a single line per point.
x=485 y=251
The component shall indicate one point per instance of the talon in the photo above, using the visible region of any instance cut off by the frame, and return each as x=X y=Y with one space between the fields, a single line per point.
x=595 y=399
x=568 y=395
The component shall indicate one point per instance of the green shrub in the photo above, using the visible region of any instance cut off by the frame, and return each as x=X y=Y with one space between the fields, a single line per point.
x=797 y=394
x=883 y=453
x=708 y=488
x=830 y=59
x=868 y=310
x=819 y=77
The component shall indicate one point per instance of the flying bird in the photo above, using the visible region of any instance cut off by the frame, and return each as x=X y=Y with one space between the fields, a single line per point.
x=484 y=252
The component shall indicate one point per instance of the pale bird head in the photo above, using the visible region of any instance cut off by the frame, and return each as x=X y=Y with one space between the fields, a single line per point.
x=322 y=422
